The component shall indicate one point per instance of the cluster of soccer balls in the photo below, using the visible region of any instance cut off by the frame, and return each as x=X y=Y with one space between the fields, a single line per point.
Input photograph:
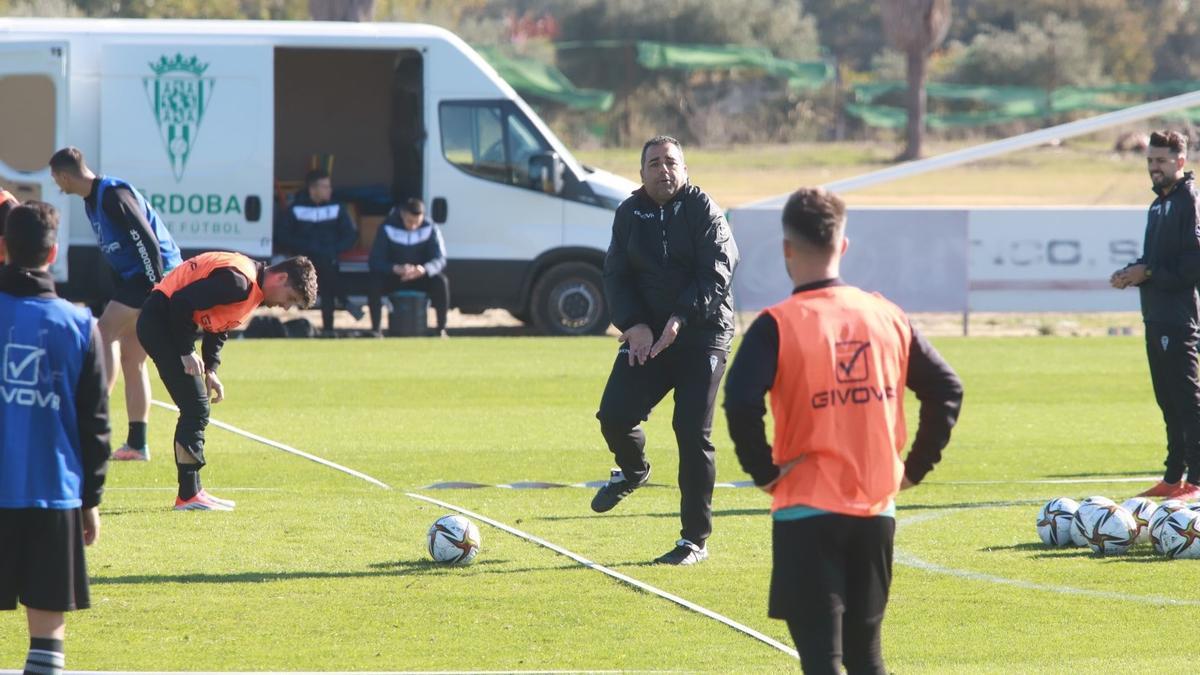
x=1108 y=528
x=453 y=540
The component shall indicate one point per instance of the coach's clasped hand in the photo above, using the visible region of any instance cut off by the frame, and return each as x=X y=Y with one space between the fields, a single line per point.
x=1130 y=276
x=670 y=332
x=639 y=339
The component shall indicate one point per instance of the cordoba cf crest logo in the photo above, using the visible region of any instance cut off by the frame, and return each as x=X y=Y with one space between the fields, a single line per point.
x=178 y=95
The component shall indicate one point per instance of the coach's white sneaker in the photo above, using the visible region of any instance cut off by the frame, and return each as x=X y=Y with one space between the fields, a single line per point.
x=684 y=553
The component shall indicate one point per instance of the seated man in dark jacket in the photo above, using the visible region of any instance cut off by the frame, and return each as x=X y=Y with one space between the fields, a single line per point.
x=321 y=230
x=409 y=254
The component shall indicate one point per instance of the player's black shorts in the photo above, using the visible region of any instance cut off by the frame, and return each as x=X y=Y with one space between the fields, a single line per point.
x=831 y=564
x=41 y=560
x=131 y=292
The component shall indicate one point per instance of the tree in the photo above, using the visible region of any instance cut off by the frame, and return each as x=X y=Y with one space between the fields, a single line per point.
x=849 y=30
x=781 y=26
x=1122 y=35
x=1177 y=57
x=341 y=10
x=47 y=8
x=186 y=9
x=478 y=22
x=1048 y=54
x=649 y=100
x=915 y=28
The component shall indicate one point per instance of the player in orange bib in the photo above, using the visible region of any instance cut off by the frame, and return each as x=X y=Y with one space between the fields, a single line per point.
x=835 y=360
x=212 y=293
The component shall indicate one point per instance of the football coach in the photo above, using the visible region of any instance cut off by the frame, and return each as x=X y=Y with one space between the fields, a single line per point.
x=667 y=279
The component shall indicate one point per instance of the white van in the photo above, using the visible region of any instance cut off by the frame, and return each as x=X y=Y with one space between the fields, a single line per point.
x=216 y=122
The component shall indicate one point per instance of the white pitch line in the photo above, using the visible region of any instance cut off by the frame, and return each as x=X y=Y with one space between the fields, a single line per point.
x=365 y=672
x=167 y=488
x=1052 y=481
x=910 y=560
x=615 y=574
x=540 y=485
x=750 y=484
x=511 y=530
x=286 y=448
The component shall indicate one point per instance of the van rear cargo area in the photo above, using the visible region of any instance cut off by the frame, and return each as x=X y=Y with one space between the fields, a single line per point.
x=358 y=114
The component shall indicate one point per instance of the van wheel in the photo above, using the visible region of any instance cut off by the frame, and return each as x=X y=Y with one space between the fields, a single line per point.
x=569 y=300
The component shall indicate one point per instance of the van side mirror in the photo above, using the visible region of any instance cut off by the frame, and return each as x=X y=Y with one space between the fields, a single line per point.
x=546 y=172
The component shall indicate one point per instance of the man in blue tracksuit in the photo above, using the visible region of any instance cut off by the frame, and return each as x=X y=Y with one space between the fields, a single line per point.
x=409 y=254
x=53 y=438
x=140 y=250
x=320 y=229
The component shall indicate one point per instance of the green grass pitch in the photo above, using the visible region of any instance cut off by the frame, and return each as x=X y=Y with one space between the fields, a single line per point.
x=317 y=570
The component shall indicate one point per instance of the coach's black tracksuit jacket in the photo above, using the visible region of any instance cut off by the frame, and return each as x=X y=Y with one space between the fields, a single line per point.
x=1171 y=253
x=673 y=259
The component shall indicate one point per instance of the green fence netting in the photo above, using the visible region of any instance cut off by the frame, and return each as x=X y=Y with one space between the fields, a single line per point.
x=653 y=55
x=535 y=78
x=1004 y=104
x=799 y=74
x=538 y=79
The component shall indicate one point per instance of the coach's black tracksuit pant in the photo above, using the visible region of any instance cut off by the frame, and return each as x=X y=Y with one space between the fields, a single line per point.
x=187 y=391
x=1171 y=351
x=694 y=373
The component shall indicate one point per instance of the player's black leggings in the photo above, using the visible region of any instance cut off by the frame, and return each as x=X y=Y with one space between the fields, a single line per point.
x=187 y=391
x=818 y=658
x=830 y=582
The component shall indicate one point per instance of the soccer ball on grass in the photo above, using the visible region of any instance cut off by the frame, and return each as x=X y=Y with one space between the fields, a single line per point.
x=1077 y=529
x=1054 y=521
x=453 y=540
x=1108 y=529
x=1141 y=509
x=1179 y=535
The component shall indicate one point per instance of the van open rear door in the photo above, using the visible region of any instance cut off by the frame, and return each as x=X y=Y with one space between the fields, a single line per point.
x=192 y=127
x=33 y=114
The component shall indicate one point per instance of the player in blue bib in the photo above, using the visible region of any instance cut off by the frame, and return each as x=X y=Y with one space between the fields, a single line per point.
x=140 y=251
x=53 y=438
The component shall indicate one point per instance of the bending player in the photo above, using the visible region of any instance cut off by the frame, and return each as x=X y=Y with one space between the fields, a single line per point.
x=211 y=294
